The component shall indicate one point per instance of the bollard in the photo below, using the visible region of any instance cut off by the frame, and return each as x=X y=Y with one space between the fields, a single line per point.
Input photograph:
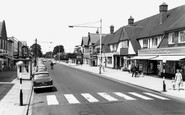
x=21 y=93
x=164 y=85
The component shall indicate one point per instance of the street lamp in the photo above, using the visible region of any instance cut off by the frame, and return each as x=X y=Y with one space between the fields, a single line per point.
x=99 y=27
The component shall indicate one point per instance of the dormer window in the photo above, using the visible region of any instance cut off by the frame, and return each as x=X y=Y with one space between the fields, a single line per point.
x=171 y=38
x=154 y=41
x=181 y=37
x=145 y=43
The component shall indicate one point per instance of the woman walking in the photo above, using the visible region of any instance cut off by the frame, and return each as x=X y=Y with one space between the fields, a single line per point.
x=178 y=78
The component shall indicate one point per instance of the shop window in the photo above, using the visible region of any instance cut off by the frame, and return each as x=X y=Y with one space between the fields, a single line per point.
x=181 y=37
x=171 y=38
x=109 y=60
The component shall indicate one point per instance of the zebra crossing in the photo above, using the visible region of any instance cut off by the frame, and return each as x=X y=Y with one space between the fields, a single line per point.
x=109 y=97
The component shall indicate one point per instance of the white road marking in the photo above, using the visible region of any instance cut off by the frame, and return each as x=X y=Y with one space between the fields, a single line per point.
x=71 y=99
x=52 y=100
x=89 y=97
x=156 y=96
x=124 y=96
x=140 y=96
x=107 y=97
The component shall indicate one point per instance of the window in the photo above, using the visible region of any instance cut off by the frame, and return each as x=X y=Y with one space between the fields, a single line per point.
x=182 y=37
x=145 y=43
x=124 y=44
x=154 y=41
x=109 y=60
x=171 y=38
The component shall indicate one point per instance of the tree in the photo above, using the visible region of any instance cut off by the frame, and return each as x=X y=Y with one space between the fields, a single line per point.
x=36 y=49
x=58 y=49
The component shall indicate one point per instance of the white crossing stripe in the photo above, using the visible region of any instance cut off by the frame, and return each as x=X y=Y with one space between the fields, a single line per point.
x=156 y=96
x=52 y=100
x=71 y=99
x=140 y=96
x=108 y=97
x=89 y=97
x=124 y=96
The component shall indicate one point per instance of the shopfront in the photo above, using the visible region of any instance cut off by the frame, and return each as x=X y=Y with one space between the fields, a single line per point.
x=162 y=60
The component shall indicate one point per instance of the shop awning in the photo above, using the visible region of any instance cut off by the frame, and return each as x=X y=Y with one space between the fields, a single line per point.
x=143 y=57
x=169 y=58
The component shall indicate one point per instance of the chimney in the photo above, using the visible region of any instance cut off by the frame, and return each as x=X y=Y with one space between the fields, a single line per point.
x=131 y=21
x=111 y=29
x=163 y=8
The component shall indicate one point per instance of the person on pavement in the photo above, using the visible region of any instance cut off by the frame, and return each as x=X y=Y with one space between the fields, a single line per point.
x=51 y=64
x=178 y=78
x=134 y=70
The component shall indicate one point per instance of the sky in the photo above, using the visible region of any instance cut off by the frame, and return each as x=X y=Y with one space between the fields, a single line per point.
x=48 y=20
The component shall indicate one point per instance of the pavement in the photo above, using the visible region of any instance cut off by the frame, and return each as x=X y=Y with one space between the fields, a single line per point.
x=154 y=83
x=10 y=90
x=10 y=94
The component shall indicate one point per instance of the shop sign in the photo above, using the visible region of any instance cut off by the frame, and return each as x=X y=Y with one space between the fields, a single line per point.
x=167 y=51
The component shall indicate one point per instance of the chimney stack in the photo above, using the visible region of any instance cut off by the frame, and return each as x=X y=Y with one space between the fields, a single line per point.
x=131 y=21
x=163 y=8
x=111 y=29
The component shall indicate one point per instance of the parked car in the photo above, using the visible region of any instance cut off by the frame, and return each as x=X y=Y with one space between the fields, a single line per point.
x=42 y=80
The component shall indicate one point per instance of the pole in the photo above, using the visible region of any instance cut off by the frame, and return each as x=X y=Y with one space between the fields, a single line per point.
x=59 y=53
x=100 y=46
x=21 y=93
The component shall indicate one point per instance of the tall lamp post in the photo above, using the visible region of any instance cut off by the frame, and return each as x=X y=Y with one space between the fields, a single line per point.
x=99 y=27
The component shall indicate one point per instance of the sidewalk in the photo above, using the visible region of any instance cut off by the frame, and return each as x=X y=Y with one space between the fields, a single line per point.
x=10 y=100
x=149 y=82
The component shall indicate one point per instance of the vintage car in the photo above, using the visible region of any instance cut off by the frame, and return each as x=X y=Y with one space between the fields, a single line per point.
x=42 y=80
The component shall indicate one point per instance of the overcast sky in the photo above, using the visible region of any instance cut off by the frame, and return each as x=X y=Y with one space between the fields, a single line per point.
x=48 y=20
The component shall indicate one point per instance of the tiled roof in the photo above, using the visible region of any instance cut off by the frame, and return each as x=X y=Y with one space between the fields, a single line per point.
x=94 y=37
x=84 y=41
x=132 y=33
x=116 y=36
x=151 y=25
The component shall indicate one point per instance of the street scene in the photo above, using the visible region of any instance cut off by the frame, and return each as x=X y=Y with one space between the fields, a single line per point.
x=56 y=61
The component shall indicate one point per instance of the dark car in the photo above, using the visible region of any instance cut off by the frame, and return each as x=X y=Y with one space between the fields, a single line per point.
x=42 y=80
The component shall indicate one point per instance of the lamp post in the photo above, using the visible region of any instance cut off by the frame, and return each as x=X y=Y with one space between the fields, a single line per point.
x=99 y=27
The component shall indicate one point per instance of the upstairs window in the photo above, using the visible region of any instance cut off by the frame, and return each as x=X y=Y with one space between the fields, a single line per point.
x=154 y=41
x=171 y=38
x=124 y=44
x=145 y=43
x=181 y=37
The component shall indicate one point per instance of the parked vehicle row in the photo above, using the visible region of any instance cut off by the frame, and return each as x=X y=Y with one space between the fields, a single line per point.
x=42 y=78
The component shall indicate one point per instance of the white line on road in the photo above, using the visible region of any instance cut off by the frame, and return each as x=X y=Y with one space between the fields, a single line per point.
x=124 y=96
x=107 y=97
x=52 y=100
x=140 y=96
x=156 y=96
x=89 y=97
x=71 y=99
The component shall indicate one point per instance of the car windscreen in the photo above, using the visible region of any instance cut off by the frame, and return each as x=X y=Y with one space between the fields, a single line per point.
x=39 y=76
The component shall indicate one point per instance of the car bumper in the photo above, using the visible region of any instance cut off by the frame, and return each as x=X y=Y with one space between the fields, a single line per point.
x=39 y=87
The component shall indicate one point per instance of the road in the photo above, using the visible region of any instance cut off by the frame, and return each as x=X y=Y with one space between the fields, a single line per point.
x=81 y=93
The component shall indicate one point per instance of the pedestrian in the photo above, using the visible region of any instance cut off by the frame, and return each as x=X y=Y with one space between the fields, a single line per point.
x=134 y=70
x=129 y=68
x=140 y=70
x=178 y=78
x=173 y=83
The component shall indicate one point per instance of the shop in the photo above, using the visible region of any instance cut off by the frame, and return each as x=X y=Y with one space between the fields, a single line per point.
x=162 y=62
